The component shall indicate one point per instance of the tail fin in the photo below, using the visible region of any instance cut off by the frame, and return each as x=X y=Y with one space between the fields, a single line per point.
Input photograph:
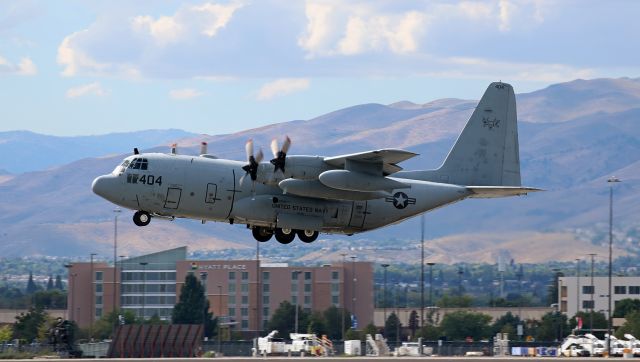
x=486 y=152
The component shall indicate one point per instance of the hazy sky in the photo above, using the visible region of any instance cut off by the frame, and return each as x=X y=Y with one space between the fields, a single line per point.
x=92 y=67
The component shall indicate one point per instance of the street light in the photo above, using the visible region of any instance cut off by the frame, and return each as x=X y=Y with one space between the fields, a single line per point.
x=219 y=319
x=578 y=260
x=612 y=180
x=422 y=271
x=115 y=255
x=344 y=300
x=384 y=292
x=296 y=273
x=431 y=264
x=144 y=286
x=203 y=277
x=93 y=304
x=592 y=290
x=353 y=290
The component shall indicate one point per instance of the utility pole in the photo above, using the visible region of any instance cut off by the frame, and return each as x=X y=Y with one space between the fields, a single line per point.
x=115 y=260
x=592 y=291
x=344 y=288
x=577 y=285
x=611 y=181
x=384 y=293
x=421 y=271
x=93 y=297
x=353 y=289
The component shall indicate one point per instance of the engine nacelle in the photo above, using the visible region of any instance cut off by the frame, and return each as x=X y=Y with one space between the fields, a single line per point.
x=296 y=167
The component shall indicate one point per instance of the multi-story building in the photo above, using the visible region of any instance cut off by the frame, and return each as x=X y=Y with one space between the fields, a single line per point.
x=580 y=294
x=244 y=292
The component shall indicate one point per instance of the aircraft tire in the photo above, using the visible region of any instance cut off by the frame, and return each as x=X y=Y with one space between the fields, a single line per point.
x=307 y=236
x=261 y=234
x=141 y=218
x=285 y=236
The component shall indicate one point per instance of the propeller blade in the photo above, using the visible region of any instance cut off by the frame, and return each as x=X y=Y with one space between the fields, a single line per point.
x=248 y=147
x=286 y=145
x=280 y=156
x=259 y=157
x=274 y=147
x=242 y=179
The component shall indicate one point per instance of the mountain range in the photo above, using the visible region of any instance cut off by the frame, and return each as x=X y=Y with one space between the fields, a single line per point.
x=573 y=136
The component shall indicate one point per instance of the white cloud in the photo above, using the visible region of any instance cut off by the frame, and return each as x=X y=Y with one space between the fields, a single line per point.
x=24 y=67
x=282 y=87
x=94 y=89
x=183 y=94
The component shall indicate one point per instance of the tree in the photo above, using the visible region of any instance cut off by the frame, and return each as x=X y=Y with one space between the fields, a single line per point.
x=51 y=299
x=31 y=285
x=50 y=283
x=626 y=306
x=58 y=284
x=317 y=324
x=193 y=307
x=599 y=321
x=413 y=323
x=370 y=329
x=462 y=324
x=352 y=334
x=392 y=327
x=27 y=324
x=455 y=301
x=631 y=326
x=6 y=332
x=103 y=327
x=333 y=317
x=283 y=319
x=553 y=327
x=507 y=323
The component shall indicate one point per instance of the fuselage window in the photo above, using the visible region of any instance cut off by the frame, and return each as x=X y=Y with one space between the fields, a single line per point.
x=143 y=163
x=139 y=164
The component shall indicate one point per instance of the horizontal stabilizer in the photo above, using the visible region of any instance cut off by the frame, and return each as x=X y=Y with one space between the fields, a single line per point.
x=499 y=191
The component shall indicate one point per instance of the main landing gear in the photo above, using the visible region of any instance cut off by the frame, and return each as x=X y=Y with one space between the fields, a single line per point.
x=283 y=235
x=141 y=218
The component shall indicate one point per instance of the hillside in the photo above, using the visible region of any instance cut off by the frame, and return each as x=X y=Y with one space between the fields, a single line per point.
x=572 y=137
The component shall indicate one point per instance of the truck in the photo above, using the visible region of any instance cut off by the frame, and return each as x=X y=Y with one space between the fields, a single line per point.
x=270 y=344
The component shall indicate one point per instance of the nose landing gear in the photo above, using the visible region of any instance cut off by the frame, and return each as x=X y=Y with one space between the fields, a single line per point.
x=141 y=218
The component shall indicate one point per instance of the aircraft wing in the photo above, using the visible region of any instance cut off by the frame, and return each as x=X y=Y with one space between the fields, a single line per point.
x=372 y=161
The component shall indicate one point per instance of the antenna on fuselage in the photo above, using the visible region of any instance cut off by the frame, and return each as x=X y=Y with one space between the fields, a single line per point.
x=203 y=148
x=135 y=151
x=174 y=149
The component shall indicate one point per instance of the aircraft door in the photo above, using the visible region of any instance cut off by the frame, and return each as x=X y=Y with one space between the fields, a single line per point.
x=173 y=198
x=358 y=214
x=212 y=193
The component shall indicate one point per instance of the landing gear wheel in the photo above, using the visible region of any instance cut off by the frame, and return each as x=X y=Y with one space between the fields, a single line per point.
x=285 y=236
x=307 y=236
x=261 y=234
x=141 y=218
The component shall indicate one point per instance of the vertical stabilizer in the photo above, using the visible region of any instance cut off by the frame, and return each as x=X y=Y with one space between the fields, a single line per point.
x=486 y=152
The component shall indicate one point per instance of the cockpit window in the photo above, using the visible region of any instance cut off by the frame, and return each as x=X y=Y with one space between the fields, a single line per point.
x=139 y=164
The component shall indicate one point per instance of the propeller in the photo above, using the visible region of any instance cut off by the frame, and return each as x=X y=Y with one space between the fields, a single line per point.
x=280 y=154
x=251 y=168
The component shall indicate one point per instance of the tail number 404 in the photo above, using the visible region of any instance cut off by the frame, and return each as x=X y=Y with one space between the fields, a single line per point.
x=144 y=179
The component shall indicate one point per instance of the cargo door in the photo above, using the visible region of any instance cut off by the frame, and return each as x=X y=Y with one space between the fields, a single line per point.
x=358 y=214
x=173 y=198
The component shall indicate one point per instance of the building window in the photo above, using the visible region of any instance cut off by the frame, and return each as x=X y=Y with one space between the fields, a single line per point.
x=244 y=312
x=307 y=299
x=307 y=288
x=620 y=289
x=307 y=275
x=245 y=299
x=294 y=287
x=232 y=275
x=232 y=299
x=244 y=288
x=98 y=312
x=634 y=289
x=99 y=288
x=232 y=311
x=98 y=275
x=294 y=275
x=265 y=276
x=245 y=324
x=245 y=275
x=265 y=299
x=265 y=288
x=335 y=275
x=265 y=311
x=294 y=299
x=335 y=288
x=334 y=300
x=232 y=288
x=587 y=289
x=98 y=299
x=587 y=304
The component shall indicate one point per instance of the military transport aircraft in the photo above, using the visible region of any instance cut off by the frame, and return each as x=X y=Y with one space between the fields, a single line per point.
x=305 y=195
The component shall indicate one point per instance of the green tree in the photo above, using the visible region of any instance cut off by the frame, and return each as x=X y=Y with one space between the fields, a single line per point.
x=553 y=327
x=50 y=299
x=27 y=324
x=50 y=283
x=462 y=324
x=317 y=324
x=626 y=306
x=333 y=317
x=193 y=307
x=631 y=326
x=6 y=332
x=429 y=332
x=283 y=319
x=413 y=323
x=352 y=334
x=391 y=328
x=31 y=285
x=58 y=284
x=455 y=301
x=599 y=320
x=507 y=323
x=103 y=327
x=370 y=329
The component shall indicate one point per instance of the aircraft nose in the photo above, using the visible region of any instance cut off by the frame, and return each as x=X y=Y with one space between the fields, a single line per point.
x=100 y=186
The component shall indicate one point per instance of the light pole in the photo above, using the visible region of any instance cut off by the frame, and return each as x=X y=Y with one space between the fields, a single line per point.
x=258 y=292
x=578 y=260
x=353 y=290
x=144 y=286
x=93 y=304
x=384 y=292
x=203 y=278
x=344 y=300
x=612 y=180
x=115 y=256
x=592 y=290
x=431 y=264
x=219 y=319
x=421 y=271
x=297 y=273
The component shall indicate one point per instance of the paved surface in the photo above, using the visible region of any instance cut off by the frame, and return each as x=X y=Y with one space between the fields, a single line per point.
x=333 y=359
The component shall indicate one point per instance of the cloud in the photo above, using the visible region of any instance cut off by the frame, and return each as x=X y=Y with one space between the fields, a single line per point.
x=24 y=67
x=94 y=89
x=183 y=94
x=281 y=87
